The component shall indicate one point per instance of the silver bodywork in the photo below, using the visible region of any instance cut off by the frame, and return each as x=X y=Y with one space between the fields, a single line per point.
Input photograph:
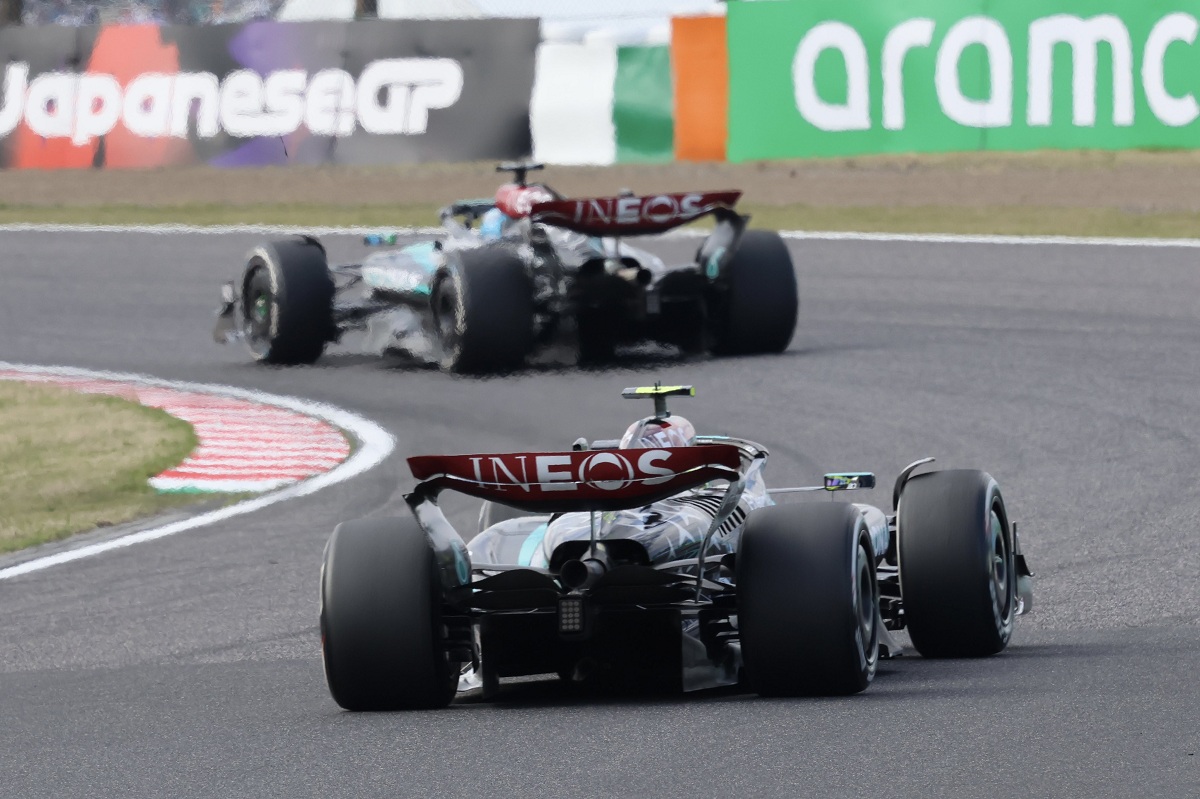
x=634 y=573
x=407 y=274
x=669 y=530
x=676 y=533
x=385 y=298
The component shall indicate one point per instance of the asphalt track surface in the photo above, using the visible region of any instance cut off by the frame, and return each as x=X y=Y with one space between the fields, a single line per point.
x=189 y=666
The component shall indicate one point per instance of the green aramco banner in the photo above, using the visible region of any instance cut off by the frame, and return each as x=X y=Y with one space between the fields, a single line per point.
x=848 y=77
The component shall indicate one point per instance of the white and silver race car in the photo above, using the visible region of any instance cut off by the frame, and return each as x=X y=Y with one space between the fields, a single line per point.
x=539 y=270
x=662 y=560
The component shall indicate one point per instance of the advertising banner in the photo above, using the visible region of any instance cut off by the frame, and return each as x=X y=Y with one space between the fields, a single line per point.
x=831 y=77
x=598 y=102
x=642 y=102
x=267 y=92
x=700 y=71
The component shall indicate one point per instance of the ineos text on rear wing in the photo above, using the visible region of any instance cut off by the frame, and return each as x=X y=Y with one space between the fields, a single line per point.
x=562 y=482
x=632 y=215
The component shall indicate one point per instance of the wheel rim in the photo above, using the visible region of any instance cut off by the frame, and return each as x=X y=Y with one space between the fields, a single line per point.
x=998 y=568
x=258 y=312
x=865 y=604
x=445 y=315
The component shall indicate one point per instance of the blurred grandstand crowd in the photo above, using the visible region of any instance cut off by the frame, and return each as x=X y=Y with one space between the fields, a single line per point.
x=628 y=21
x=179 y=12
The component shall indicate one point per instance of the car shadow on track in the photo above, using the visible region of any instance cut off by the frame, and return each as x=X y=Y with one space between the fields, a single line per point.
x=641 y=359
x=900 y=680
x=559 y=360
x=551 y=692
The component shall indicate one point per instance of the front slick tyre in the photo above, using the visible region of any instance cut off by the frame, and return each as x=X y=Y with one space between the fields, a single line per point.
x=808 y=600
x=483 y=311
x=957 y=575
x=381 y=630
x=287 y=302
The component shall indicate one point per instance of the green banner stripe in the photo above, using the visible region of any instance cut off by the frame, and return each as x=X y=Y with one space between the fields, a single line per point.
x=642 y=103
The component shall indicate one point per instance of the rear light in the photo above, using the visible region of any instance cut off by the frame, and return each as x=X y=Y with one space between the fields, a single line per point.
x=570 y=614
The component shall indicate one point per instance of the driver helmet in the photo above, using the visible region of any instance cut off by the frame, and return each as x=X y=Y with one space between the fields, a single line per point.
x=493 y=223
x=656 y=433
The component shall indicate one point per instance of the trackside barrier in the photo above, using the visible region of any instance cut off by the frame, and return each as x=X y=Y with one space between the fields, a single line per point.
x=598 y=102
x=781 y=79
x=826 y=77
x=264 y=93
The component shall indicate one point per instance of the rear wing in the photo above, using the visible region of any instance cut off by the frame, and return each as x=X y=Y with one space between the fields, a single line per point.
x=563 y=482
x=632 y=215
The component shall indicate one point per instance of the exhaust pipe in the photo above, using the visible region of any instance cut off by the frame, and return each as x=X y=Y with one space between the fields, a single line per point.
x=579 y=574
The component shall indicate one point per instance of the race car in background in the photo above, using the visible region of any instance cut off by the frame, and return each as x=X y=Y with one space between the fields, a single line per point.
x=538 y=269
x=661 y=560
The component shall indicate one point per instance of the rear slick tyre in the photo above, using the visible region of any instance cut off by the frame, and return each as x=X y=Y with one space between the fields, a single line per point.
x=808 y=600
x=957 y=568
x=756 y=311
x=287 y=302
x=381 y=632
x=483 y=312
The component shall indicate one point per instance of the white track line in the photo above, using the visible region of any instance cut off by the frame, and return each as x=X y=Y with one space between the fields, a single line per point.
x=813 y=235
x=954 y=238
x=375 y=444
x=168 y=229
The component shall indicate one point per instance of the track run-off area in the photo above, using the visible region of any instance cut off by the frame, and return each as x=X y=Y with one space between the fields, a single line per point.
x=244 y=445
x=189 y=665
x=249 y=442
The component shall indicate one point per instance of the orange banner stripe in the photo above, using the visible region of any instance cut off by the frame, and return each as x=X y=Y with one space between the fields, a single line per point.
x=700 y=62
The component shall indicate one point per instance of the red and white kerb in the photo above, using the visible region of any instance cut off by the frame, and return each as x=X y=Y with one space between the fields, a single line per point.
x=244 y=446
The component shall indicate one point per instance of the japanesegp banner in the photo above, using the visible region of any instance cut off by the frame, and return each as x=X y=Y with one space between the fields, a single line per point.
x=267 y=93
x=829 y=77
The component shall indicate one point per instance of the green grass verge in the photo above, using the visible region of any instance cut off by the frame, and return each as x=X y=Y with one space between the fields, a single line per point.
x=1013 y=220
x=70 y=462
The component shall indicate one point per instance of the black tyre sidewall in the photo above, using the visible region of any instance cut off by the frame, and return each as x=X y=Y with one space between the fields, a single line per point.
x=490 y=296
x=301 y=293
x=797 y=582
x=597 y=339
x=756 y=308
x=944 y=551
x=381 y=631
